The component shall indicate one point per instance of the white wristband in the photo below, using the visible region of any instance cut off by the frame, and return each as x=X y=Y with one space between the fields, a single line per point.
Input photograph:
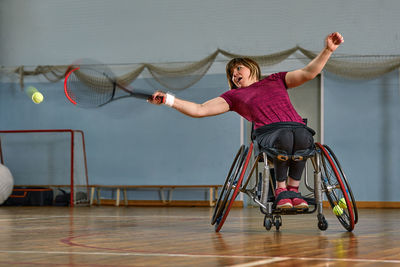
x=169 y=100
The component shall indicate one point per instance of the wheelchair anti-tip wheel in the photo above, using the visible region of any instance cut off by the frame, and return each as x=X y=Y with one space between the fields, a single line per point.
x=268 y=219
x=337 y=189
x=322 y=222
x=231 y=187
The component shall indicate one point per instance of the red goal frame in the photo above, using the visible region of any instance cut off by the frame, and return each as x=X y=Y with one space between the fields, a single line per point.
x=72 y=144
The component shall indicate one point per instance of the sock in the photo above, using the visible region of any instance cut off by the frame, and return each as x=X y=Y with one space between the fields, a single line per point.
x=290 y=187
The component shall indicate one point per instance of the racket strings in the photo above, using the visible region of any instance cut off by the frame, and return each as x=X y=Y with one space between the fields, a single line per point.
x=92 y=84
x=90 y=87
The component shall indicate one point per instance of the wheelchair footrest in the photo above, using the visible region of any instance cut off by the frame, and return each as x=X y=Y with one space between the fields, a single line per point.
x=292 y=211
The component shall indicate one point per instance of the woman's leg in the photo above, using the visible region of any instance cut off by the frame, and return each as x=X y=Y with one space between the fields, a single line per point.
x=281 y=139
x=302 y=140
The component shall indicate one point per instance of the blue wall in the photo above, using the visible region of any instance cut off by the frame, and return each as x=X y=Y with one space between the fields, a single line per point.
x=362 y=123
x=133 y=142
x=129 y=141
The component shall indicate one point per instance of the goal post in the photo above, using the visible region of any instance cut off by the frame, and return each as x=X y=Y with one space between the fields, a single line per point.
x=54 y=158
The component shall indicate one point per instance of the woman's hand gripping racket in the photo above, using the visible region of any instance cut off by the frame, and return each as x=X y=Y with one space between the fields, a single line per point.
x=94 y=85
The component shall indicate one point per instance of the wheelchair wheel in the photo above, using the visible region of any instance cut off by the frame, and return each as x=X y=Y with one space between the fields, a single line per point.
x=336 y=188
x=228 y=185
x=346 y=183
x=231 y=187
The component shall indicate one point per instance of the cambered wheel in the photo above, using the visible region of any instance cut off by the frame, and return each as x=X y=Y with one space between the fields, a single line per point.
x=337 y=189
x=345 y=181
x=231 y=187
x=228 y=185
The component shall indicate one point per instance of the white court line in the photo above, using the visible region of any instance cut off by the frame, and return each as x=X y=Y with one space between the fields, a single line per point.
x=19 y=218
x=132 y=254
x=117 y=216
x=277 y=259
x=266 y=259
x=109 y=216
x=261 y=262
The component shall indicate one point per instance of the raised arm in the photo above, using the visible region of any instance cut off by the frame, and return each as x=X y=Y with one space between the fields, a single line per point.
x=309 y=72
x=212 y=107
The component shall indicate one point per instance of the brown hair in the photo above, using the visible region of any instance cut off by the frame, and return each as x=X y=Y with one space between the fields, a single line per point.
x=247 y=62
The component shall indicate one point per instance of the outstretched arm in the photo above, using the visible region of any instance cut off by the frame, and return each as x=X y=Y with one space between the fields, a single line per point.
x=309 y=72
x=212 y=107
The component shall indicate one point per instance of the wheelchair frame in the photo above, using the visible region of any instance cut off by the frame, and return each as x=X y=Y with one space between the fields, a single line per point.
x=329 y=178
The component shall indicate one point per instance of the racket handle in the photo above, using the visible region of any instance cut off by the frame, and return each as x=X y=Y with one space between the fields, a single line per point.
x=141 y=95
x=161 y=99
x=147 y=96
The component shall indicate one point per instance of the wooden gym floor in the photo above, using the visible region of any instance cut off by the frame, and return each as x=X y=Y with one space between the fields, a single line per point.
x=173 y=236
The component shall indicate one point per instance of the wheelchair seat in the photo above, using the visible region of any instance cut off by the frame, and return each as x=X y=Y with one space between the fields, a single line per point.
x=282 y=155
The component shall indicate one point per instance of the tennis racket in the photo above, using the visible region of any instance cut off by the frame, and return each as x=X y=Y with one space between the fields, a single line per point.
x=93 y=85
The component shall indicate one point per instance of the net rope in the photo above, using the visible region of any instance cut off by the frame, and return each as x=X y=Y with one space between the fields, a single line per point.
x=180 y=76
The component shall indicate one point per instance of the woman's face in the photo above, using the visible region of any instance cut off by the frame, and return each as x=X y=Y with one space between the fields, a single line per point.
x=241 y=76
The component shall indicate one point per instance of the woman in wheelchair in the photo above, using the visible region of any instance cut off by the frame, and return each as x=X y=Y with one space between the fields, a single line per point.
x=265 y=103
x=281 y=141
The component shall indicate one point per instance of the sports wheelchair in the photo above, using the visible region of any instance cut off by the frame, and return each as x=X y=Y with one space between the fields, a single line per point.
x=329 y=178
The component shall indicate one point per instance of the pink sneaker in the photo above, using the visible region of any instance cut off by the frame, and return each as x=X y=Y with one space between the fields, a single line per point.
x=285 y=203
x=298 y=203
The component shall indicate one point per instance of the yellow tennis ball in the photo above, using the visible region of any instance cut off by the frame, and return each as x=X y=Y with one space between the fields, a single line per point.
x=337 y=210
x=37 y=98
x=342 y=203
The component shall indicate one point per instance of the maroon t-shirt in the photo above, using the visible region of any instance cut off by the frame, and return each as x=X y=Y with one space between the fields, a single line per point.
x=263 y=102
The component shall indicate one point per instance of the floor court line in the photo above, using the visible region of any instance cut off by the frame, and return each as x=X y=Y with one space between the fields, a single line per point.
x=263 y=259
x=132 y=254
x=278 y=259
x=260 y=262
x=116 y=216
